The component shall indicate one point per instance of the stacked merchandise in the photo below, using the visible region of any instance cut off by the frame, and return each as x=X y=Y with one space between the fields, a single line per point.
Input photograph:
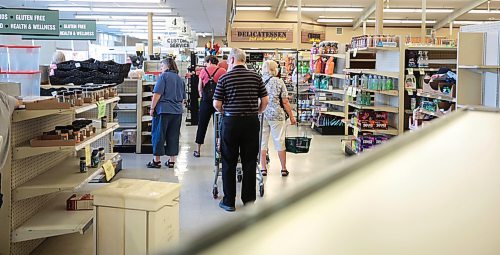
x=364 y=86
x=367 y=120
x=372 y=41
x=88 y=71
x=21 y=64
x=80 y=95
x=436 y=98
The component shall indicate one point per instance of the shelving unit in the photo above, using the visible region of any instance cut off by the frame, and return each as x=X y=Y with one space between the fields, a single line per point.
x=438 y=58
x=53 y=220
x=26 y=151
x=65 y=176
x=385 y=62
x=32 y=180
x=144 y=121
x=329 y=101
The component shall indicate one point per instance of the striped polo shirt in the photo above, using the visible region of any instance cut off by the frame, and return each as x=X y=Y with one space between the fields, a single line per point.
x=239 y=91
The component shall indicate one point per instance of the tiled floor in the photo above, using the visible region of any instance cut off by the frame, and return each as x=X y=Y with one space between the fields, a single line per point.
x=198 y=209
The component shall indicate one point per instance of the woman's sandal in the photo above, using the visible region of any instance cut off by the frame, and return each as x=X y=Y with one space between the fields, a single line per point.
x=196 y=154
x=264 y=172
x=170 y=164
x=284 y=173
x=154 y=164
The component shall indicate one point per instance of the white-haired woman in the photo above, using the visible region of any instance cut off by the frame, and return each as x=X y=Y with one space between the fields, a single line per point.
x=275 y=115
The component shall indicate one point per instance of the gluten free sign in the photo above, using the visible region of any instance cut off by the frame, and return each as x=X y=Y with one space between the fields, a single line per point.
x=29 y=22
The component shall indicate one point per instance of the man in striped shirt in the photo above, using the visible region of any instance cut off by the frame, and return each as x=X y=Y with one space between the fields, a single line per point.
x=237 y=98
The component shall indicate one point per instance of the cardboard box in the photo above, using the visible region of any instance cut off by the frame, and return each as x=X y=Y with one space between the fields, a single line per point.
x=45 y=104
x=80 y=202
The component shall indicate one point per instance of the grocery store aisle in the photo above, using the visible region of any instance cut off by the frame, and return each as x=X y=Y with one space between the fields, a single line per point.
x=199 y=210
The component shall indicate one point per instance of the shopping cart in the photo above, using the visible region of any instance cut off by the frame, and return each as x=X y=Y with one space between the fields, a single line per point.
x=218 y=158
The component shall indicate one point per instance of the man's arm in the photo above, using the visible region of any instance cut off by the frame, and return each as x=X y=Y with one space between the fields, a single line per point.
x=263 y=104
x=218 y=105
x=200 y=87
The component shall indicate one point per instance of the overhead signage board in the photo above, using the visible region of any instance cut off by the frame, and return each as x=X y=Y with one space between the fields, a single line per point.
x=29 y=22
x=71 y=29
x=261 y=35
x=177 y=43
x=312 y=36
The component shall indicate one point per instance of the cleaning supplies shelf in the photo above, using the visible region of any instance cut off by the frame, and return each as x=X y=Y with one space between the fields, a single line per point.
x=379 y=107
x=335 y=75
x=338 y=114
x=337 y=102
x=436 y=96
x=389 y=131
x=374 y=72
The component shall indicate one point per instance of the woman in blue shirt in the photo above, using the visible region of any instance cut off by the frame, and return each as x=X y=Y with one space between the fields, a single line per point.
x=169 y=94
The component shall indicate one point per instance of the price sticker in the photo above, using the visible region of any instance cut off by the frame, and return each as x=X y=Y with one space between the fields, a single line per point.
x=356 y=131
x=101 y=109
x=410 y=92
x=422 y=71
x=410 y=70
x=88 y=155
x=349 y=90
x=109 y=170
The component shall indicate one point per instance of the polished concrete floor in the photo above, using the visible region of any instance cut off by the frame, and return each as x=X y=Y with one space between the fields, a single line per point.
x=198 y=210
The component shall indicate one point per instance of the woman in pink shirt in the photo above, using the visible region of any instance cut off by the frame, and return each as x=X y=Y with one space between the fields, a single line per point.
x=209 y=76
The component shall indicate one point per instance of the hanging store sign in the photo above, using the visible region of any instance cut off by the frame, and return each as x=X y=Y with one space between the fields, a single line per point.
x=312 y=36
x=29 y=22
x=70 y=29
x=178 y=43
x=261 y=35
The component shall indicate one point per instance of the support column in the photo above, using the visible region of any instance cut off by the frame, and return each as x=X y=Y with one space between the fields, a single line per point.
x=379 y=17
x=299 y=23
x=150 y=34
x=451 y=30
x=364 y=28
x=423 y=28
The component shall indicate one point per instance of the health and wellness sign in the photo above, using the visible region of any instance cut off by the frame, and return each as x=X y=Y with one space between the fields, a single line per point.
x=70 y=29
x=312 y=36
x=261 y=35
x=29 y=22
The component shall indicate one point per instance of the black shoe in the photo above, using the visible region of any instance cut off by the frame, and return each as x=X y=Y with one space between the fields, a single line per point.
x=226 y=207
x=196 y=154
x=170 y=164
x=153 y=164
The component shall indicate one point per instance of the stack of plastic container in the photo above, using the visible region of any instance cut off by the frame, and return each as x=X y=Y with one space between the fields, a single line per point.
x=21 y=64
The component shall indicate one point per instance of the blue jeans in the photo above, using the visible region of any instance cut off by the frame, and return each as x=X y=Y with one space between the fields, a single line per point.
x=166 y=128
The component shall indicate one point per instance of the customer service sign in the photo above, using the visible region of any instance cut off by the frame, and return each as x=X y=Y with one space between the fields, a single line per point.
x=29 y=22
x=261 y=35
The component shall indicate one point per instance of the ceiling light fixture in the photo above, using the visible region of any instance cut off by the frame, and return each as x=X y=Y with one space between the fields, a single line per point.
x=484 y=11
x=326 y=9
x=403 y=21
x=111 y=10
x=416 y=10
x=253 y=8
x=334 y=20
x=469 y=22
x=122 y=18
x=135 y=27
x=114 y=1
x=130 y=23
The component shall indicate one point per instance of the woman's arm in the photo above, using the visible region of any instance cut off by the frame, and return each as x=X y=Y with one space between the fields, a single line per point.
x=200 y=86
x=286 y=104
x=156 y=98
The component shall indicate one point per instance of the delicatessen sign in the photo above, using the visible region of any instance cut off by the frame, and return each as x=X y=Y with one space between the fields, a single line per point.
x=29 y=22
x=261 y=35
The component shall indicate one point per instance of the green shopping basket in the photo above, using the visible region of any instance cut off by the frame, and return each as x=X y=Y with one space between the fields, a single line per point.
x=298 y=144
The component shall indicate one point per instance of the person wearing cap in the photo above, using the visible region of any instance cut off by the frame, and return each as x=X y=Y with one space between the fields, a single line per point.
x=240 y=96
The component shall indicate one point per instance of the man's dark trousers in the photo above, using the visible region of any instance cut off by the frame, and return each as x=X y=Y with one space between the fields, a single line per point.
x=239 y=134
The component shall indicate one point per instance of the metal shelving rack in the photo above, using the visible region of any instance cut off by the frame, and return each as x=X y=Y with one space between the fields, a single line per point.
x=389 y=62
x=126 y=115
x=330 y=102
x=33 y=178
